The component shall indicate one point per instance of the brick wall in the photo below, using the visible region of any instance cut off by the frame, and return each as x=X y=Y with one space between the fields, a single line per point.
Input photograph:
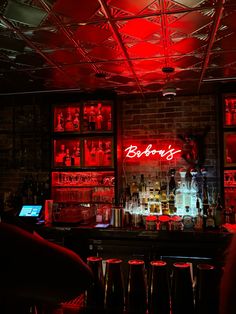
x=24 y=141
x=145 y=121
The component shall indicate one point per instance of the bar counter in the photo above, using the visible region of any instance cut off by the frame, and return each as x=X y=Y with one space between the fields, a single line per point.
x=138 y=243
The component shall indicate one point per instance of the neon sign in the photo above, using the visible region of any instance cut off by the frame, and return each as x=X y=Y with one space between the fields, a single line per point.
x=168 y=154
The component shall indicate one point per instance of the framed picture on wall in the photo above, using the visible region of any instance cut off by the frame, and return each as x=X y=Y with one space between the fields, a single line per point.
x=230 y=149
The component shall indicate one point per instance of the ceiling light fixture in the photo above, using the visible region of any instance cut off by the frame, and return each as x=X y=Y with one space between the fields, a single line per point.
x=169 y=90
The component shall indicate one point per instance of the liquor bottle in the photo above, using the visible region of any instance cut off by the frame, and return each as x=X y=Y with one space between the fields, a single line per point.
x=179 y=198
x=233 y=112
x=92 y=119
x=227 y=113
x=205 y=201
x=60 y=155
x=100 y=155
x=172 y=184
x=134 y=188
x=99 y=120
x=85 y=119
x=228 y=215
x=210 y=220
x=218 y=212
x=109 y=122
x=142 y=185
x=164 y=204
x=157 y=203
x=194 y=191
x=151 y=195
x=76 y=122
x=142 y=191
x=76 y=154
x=198 y=224
x=180 y=193
x=59 y=122
x=172 y=203
x=68 y=159
x=157 y=187
x=107 y=155
x=68 y=123
x=93 y=152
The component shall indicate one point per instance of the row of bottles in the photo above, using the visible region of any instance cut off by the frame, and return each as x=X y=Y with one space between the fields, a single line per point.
x=166 y=197
x=96 y=117
x=188 y=198
x=68 y=157
x=230 y=111
x=97 y=153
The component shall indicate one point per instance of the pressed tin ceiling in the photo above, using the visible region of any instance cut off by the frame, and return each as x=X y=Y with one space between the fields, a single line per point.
x=118 y=45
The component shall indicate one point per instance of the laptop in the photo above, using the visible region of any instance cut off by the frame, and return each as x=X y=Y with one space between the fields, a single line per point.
x=31 y=213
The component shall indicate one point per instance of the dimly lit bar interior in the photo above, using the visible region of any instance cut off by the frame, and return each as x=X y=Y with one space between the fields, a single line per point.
x=118 y=156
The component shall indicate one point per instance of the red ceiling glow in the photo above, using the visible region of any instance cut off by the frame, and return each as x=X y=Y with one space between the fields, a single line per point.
x=140 y=28
x=145 y=49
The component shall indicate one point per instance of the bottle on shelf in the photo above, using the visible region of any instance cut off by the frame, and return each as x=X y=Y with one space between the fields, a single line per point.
x=60 y=122
x=198 y=225
x=68 y=159
x=99 y=118
x=180 y=193
x=205 y=201
x=172 y=183
x=157 y=187
x=100 y=155
x=76 y=122
x=68 y=122
x=142 y=186
x=85 y=119
x=60 y=155
x=134 y=188
x=93 y=154
x=194 y=191
x=210 y=220
x=164 y=203
x=76 y=154
x=109 y=122
x=228 y=118
x=108 y=154
x=172 y=203
x=218 y=212
x=92 y=119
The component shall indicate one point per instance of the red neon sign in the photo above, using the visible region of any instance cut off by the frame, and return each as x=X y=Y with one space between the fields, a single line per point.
x=133 y=151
